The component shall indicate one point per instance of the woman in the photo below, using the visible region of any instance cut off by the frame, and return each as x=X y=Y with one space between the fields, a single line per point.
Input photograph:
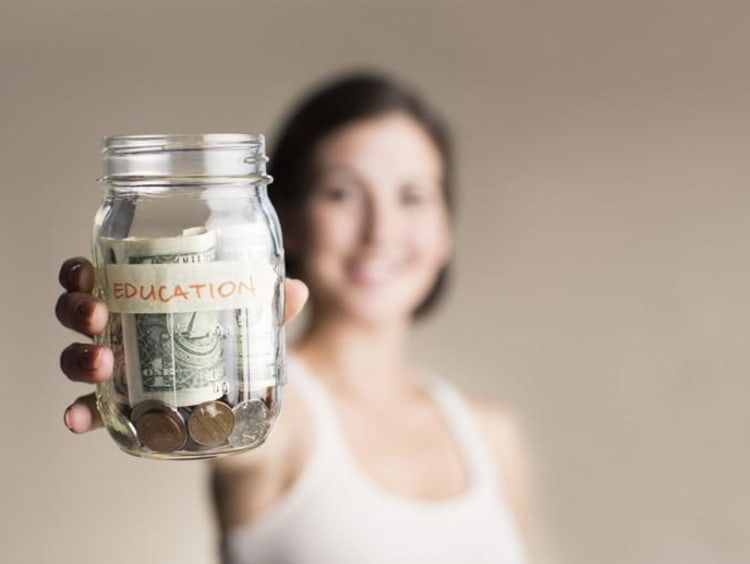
x=373 y=459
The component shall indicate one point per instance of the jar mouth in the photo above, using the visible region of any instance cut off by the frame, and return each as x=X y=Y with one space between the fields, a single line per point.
x=184 y=155
x=126 y=144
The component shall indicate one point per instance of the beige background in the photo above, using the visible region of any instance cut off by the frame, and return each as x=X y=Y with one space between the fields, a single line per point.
x=602 y=274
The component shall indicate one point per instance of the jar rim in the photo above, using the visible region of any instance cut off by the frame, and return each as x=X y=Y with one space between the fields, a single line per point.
x=129 y=158
x=137 y=143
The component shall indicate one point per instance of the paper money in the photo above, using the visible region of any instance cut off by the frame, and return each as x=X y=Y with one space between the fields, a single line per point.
x=172 y=357
x=254 y=346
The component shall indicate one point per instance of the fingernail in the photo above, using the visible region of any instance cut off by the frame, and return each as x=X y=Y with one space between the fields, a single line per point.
x=72 y=274
x=89 y=359
x=82 y=311
x=66 y=419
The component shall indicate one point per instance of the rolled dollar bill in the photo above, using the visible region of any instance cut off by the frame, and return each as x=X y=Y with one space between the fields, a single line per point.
x=254 y=343
x=176 y=357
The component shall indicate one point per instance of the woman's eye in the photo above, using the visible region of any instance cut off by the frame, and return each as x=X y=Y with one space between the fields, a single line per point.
x=338 y=193
x=421 y=192
x=413 y=196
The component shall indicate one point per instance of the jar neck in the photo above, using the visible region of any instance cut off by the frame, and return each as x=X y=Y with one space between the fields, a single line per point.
x=184 y=160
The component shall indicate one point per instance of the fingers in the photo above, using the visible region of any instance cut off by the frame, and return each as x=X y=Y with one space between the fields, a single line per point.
x=82 y=415
x=87 y=363
x=77 y=275
x=81 y=312
x=77 y=309
x=296 y=294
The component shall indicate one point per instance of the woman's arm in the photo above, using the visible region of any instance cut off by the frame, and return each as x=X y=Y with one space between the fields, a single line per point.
x=246 y=485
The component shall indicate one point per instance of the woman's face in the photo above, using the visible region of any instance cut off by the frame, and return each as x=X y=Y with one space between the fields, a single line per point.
x=378 y=231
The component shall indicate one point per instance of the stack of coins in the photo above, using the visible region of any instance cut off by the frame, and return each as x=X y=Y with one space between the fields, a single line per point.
x=162 y=428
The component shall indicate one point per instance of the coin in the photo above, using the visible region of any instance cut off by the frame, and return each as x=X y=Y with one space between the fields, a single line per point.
x=145 y=406
x=122 y=430
x=210 y=423
x=250 y=423
x=160 y=428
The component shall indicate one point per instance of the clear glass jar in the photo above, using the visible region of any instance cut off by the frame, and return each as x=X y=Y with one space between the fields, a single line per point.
x=190 y=263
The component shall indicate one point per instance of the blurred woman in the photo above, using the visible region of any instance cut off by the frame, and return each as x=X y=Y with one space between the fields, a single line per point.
x=374 y=459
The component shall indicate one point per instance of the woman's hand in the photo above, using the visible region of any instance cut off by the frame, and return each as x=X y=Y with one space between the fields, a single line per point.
x=77 y=309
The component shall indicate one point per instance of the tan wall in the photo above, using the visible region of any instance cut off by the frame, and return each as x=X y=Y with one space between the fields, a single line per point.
x=602 y=271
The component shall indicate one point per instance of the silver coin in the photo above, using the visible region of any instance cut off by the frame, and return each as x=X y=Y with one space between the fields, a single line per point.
x=250 y=423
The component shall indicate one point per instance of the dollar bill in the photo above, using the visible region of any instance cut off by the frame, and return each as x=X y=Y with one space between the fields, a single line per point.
x=119 y=378
x=172 y=357
x=255 y=342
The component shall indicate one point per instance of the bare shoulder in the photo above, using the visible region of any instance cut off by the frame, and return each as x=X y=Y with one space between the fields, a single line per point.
x=503 y=434
x=500 y=427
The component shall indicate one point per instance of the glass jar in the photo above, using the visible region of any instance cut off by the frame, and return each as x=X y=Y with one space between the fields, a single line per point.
x=190 y=263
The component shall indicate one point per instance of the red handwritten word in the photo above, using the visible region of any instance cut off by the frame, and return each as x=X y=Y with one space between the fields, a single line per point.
x=165 y=293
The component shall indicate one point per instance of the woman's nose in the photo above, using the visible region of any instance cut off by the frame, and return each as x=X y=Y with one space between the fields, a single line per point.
x=379 y=223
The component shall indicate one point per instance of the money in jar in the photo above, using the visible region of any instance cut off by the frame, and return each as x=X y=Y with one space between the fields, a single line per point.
x=190 y=264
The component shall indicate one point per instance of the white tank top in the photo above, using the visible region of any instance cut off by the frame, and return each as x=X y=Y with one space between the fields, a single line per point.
x=335 y=514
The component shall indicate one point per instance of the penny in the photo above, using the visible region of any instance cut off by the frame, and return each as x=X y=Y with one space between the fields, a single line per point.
x=147 y=405
x=210 y=423
x=250 y=423
x=160 y=428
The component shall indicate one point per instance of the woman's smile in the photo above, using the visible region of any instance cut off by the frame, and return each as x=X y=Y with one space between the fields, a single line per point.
x=374 y=271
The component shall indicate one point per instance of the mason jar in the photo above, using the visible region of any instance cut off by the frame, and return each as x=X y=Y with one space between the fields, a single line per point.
x=189 y=260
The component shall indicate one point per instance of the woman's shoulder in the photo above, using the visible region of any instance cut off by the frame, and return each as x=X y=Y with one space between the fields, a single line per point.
x=497 y=422
x=503 y=434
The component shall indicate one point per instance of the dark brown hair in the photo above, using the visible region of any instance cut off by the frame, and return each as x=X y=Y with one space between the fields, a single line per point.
x=334 y=105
